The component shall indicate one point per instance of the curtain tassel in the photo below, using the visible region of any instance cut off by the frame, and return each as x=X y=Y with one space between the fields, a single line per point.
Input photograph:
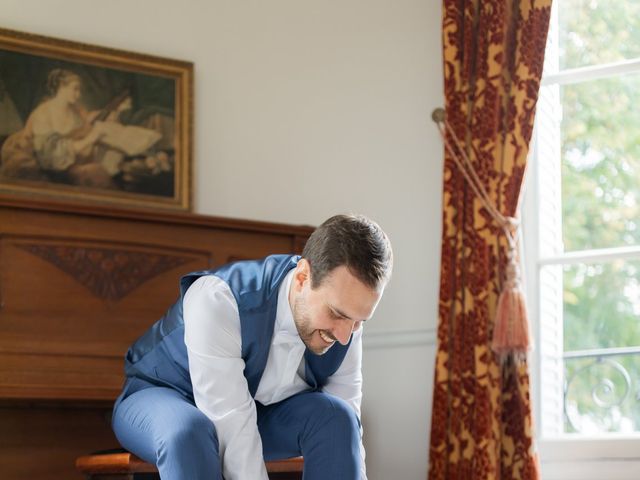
x=511 y=328
x=511 y=336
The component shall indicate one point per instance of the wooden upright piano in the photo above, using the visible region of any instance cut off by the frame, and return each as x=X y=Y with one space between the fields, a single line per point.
x=78 y=284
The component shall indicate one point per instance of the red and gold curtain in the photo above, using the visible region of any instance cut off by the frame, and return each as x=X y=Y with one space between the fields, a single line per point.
x=493 y=57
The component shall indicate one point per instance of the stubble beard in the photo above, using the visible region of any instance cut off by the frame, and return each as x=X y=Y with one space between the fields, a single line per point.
x=302 y=320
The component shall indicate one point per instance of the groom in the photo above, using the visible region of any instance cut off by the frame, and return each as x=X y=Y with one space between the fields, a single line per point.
x=260 y=360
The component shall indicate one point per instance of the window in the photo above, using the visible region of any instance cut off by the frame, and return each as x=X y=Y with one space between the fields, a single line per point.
x=582 y=234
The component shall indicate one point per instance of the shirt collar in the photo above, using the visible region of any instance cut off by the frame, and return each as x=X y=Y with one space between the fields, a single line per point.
x=284 y=316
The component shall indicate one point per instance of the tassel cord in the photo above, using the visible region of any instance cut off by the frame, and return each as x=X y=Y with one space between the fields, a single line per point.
x=511 y=330
x=508 y=224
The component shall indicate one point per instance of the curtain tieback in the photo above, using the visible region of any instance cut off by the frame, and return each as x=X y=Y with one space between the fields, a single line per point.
x=511 y=335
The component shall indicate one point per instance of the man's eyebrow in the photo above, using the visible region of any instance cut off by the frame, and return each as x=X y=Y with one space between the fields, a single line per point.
x=342 y=314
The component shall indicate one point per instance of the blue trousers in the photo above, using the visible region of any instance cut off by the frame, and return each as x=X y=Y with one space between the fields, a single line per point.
x=163 y=427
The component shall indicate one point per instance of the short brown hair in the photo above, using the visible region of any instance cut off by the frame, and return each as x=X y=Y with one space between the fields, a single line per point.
x=353 y=241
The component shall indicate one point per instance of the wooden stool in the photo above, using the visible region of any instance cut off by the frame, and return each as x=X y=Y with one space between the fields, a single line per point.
x=122 y=465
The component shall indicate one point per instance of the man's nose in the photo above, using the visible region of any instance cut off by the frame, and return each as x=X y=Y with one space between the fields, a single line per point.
x=343 y=331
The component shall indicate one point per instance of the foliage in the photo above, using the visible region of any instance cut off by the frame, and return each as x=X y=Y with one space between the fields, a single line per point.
x=600 y=133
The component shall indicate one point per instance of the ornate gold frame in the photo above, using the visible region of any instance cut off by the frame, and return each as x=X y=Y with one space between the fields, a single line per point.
x=53 y=51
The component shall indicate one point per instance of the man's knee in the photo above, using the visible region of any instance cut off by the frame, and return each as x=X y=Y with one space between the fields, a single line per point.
x=344 y=415
x=331 y=440
x=334 y=413
x=193 y=434
x=188 y=448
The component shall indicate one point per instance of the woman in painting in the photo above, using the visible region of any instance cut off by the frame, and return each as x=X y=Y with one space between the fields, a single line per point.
x=61 y=139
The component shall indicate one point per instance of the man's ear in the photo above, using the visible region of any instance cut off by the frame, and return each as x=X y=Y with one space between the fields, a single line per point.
x=302 y=273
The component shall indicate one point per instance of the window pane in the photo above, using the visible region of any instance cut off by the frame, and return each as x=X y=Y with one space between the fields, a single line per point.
x=600 y=137
x=601 y=308
x=601 y=305
x=600 y=394
x=598 y=31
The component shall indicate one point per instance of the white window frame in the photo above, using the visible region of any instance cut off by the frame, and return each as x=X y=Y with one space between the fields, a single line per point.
x=563 y=457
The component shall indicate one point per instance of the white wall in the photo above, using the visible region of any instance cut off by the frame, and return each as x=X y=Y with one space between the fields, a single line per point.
x=305 y=109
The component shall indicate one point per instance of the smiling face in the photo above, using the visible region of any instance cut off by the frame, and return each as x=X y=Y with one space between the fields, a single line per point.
x=333 y=310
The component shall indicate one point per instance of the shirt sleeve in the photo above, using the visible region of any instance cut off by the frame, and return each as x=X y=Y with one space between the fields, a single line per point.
x=213 y=340
x=346 y=384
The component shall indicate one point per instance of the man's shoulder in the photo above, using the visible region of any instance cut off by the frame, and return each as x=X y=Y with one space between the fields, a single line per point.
x=259 y=265
x=252 y=276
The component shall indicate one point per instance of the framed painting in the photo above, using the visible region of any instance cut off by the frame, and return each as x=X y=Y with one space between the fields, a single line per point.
x=92 y=124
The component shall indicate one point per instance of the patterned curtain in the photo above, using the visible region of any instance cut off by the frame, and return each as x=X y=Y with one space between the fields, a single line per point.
x=493 y=57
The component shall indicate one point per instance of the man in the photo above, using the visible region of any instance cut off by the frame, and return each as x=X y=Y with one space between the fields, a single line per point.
x=260 y=360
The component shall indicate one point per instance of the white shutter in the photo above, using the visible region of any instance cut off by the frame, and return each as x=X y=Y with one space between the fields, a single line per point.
x=546 y=292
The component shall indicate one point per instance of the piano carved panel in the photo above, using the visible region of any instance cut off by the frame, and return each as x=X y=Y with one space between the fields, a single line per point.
x=77 y=286
x=110 y=273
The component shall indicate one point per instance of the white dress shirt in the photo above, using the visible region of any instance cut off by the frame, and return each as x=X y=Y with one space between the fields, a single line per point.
x=214 y=347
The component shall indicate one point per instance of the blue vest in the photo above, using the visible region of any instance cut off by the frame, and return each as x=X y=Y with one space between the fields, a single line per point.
x=159 y=357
